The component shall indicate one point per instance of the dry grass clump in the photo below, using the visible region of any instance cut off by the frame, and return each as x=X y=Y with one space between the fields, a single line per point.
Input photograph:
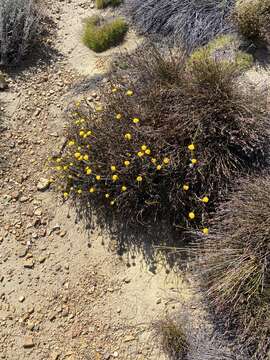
x=166 y=141
x=193 y=22
x=252 y=18
x=173 y=339
x=20 y=27
x=102 y=4
x=100 y=36
x=235 y=263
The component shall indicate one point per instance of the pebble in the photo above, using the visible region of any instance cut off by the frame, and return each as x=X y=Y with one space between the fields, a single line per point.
x=21 y=299
x=43 y=184
x=29 y=264
x=28 y=342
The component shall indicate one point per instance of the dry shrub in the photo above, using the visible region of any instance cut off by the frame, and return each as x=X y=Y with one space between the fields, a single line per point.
x=191 y=132
x=235 y=263
x=100 y=35
x=20 y=27
x=193 y=22
x=173 y=339
x=252 y=19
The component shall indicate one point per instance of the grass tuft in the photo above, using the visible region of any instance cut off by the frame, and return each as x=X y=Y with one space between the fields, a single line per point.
x=102 y=4
x=100 y=36
x=173 y=339
x=252 y=19
x=235 y=263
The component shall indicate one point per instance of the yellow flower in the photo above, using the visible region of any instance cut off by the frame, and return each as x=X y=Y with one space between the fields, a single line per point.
x=205 y=231
x=66 y=194
x=99 y=108
x=81 y=133
x=143 y=147
x=65 y=167
x=148 y=151
x=58 y=168
x=80 y=158
x=166 y=160
x=78 y=103
x=124 y=188
x=78 y=148
x=79 y=191
x=159 y=167
x=113 y=168
x=153 y=160
x=129 y=93
x=89 y=132
x=58 y=160
x=139 y=178
x=194 y=161
x=136 y=120
x=118 y=116
x=88 y=171
x=71 y=143
x=112 y=203
x=71 y=164
x=92 y=190
x=115 y=177
x=185 y=187
x=77 y=122
x=98 y=177
x=191 y=215
x=205 y=199
x=191 y=147
x=140 y=154
x=86 y=157
x=85 y=136
x=126 y=163
x=107 y=196
x=114 y=90
x=77 y=155
x=128 y=136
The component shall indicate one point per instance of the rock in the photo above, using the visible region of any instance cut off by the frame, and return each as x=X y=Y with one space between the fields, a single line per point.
x=21 y=299
x=43 y=184
x=129 y=338
x=38 y=212
x=29 y=264
x=23 y=199
x=158 y=301
x=28 y=342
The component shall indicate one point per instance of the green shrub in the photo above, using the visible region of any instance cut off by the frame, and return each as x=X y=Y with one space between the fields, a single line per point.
x=224 y=48
x=99 y=36
x=173 y=339
x=176 y=136
x=235 y=263
x=252 y=18
x=101 y=4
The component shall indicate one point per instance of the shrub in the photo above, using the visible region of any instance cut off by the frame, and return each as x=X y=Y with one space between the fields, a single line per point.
x=252 y=18
x=100 y=37
x=101 y=4
x=167 y=141
x=193 y=22
x=19 y=29
x=235 y=260
x=173 y=339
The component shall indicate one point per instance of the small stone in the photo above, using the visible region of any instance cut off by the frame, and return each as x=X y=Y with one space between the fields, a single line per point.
x=42 y=259
x=30 y=326
x=43 y=184
x=52 y=316
x=28 y=342
x=115 y=354
x=29 y=264
x=158 y=301
x=38 y=212
x=23 y=199
x=118 y=311
x=129 y=338
x=21 y=299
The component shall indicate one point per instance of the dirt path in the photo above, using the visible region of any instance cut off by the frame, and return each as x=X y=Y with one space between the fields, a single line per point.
x=64 y=295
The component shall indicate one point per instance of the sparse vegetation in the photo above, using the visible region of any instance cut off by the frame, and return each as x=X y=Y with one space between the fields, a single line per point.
x=101 y=4
x=167 y=140
x=19 y=29
x=235 y=263
x=193 y=22
x=252 y=18
x=100 y=35
x=173 y=339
